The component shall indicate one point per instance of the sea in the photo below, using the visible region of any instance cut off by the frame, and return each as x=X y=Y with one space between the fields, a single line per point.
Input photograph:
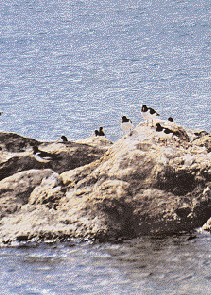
x=69 y=67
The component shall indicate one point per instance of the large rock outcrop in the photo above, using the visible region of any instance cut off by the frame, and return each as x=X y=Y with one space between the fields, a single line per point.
x=140 y=185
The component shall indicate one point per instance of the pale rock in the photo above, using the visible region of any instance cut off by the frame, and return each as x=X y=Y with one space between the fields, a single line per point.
x=133 y=187
x=16 y=189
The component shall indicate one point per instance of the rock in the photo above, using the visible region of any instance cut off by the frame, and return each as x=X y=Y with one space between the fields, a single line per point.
x=49 y=192
x=179 y=131
x=136 y=186
x=16 y=189
x=32 y=221
x=204 y=141
x=72 y=177
x=17 y=163
x=96 y=141
x=207 y=225
x=160 y=187
x=73 y=155
x=14 y=143
x=200 y=133
x=47 y=196
x=70 y=155
x=41 y=223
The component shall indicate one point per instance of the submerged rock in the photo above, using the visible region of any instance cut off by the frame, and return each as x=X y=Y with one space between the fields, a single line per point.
x=139 y=185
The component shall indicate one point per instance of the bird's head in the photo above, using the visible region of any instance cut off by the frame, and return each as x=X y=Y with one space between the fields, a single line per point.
x=64 y=138
x=144 y=108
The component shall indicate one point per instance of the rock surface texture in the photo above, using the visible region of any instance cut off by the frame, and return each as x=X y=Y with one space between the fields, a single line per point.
x=98 y=190
x=69 y=155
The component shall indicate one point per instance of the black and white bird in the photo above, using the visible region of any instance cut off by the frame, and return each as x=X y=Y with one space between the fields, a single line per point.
x=64 y=138
x=163 y=132
x=170 y=119
x=44 y=156
x=126 y=125
x=100 y=132
x=149 y=114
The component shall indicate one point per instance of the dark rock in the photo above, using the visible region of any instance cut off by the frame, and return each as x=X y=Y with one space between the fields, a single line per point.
x=69 y=155
x=14 y=143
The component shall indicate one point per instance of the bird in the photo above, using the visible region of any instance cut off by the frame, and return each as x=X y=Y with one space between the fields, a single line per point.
x=96 y=132
x=126 y=125
x=149 y=114
x=44 y=156
x=170 y=119
x=100 y=132
x=64 y=138
x=164 y=133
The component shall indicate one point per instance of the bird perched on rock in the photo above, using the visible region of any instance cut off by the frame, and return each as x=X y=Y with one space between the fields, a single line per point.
x=44 y=156
x=164 y=133
x=149 y=114
x=100 y=132
x=126 y=125
x=96 y=132
x=64 y=138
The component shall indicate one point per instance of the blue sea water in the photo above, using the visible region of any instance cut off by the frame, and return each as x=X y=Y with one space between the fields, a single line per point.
x=68 y=67
x=171 y=265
